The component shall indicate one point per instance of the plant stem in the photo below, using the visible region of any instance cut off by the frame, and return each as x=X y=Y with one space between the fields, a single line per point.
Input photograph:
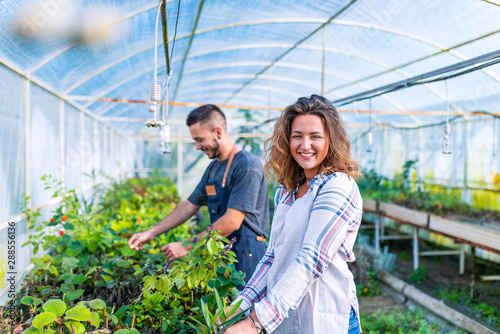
x=105 y=317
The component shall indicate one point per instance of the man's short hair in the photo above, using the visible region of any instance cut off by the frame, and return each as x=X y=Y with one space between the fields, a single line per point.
x=206 y=114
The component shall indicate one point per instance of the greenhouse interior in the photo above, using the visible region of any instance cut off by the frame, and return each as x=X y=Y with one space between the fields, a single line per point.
x=96 y=149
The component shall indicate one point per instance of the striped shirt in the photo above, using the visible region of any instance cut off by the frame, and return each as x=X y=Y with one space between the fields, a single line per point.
x=323 y=225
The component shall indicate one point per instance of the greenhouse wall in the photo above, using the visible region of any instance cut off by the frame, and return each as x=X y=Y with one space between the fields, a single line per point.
x=43 y=134
x=471 y=171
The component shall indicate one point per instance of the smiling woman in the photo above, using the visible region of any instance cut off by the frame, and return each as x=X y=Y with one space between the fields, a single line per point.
x=308 y=143
x=303 y=284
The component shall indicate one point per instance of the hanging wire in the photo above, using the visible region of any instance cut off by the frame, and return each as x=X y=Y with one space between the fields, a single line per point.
x=465 y=67
x=156 y=40
x=165 y=131
x=155 y=90
x=175 y=30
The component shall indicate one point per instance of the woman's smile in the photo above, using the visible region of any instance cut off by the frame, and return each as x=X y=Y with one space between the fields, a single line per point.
x=308 y=143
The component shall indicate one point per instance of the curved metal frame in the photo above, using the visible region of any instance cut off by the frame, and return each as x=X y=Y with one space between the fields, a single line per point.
x=339 y=22
x=273 y=21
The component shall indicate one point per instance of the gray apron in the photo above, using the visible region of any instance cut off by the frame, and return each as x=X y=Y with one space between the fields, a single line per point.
x=248 y=250
x=326 y=305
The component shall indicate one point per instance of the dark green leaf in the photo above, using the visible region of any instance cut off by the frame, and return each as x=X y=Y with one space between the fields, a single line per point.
x=78 y=279
x=72 y=295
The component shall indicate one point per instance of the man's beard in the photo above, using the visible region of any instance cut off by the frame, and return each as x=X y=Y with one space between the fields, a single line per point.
x=214 y=151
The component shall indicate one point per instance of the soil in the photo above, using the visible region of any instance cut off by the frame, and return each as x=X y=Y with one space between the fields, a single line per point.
x=385 y=303
x=442 y=275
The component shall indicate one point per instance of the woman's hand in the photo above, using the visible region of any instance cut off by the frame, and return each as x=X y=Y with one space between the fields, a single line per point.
x=218 y=321
x=242 y=327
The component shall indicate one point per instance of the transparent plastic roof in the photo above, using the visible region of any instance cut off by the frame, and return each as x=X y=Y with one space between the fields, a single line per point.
x=256 y=55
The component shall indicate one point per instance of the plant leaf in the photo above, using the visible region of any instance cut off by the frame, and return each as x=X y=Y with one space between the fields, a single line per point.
x=95 y=319
x=79 y=328
x=44 y=319
x=212 y=246
x=78 y=313
x=97 y=304
x=78 y=279
x=72 y=295
x=27 y=300
x=122 y=331
x=206 y=313
x=55 y=306
x=30 y=330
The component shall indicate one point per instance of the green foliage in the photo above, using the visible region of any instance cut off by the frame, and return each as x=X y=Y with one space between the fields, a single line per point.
x=418 y=275
x=371 y=286
x=400 y=191
x=411 y=322
x=226 y=318
x=91 y=265
x=461 y=298
x=59 y=316
x=254 y=144
x=176 y=292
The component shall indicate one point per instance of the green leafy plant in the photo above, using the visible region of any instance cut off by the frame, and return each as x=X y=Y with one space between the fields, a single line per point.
x=58 y=316
x=210 y=324
x=91 y=260
x=174 y=291
x=409 y=322
x=461 y=298
x=418 y=275
x=399 y=191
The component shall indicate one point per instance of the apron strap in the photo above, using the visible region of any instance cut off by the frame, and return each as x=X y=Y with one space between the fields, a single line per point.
x=229 y=161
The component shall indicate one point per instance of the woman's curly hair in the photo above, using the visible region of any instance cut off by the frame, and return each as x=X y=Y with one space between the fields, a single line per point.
x=279 y=160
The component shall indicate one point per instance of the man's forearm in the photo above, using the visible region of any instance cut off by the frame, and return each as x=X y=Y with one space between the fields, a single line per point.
x=178 y=216
x=228 y=223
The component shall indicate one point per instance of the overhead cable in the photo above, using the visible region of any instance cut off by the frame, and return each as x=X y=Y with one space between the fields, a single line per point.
x=469 y=66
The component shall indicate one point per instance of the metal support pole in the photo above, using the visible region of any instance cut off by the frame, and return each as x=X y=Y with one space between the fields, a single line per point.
x=466 y=158
x=461 y=269
x=62 y=140
x=377 y=233
x=323 y=62
x=82 y=153
x=473 y=277
x=27 y=157
x=382 y=227
x=420 y=168
x=415 y=248
x=180 y=167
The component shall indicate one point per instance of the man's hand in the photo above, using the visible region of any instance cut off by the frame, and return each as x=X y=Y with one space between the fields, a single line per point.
x=137 y=241
x=175 y=250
